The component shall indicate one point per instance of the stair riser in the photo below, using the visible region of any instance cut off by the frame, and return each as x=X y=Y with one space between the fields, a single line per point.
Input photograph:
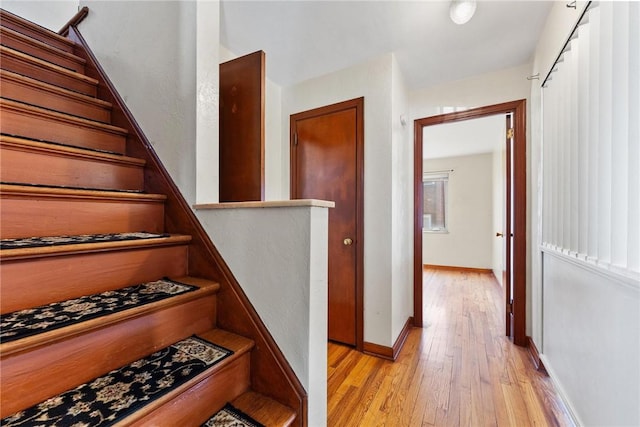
x=35 y=32
x=49 y=128
x=55 y=101
x=35 y=71
x=55 y=216
x=195 y=405
x=22 y=282
x=33 y=376
x=19 y=43
x=21 y=165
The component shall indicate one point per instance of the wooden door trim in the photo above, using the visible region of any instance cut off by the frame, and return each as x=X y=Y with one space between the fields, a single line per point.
x=358 y=104
x=518 y=109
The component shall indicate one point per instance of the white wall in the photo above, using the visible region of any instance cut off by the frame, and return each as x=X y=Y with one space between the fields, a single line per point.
x=49 y=14
x=402 y=205
x=152 y=63
x=373 y=80
x=469 y=240
x=279 y=255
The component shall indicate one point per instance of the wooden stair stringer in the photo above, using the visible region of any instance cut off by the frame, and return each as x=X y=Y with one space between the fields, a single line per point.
x=271 y=374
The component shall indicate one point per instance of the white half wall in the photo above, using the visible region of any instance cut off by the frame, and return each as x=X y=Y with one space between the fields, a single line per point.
x=279 y=255
x=591 y=340
x=469 y=240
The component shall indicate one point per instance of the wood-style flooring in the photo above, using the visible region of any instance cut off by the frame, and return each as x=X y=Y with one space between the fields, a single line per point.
x=459 y=370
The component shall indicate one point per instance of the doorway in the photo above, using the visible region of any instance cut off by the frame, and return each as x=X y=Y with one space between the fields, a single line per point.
x=515 y=236
x=327 y=162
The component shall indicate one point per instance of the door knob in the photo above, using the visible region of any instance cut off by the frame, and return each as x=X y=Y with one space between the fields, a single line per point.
x=499 y=234
x=347 y=242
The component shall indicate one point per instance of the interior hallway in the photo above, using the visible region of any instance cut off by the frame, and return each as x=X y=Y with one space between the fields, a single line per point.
x=459 y=370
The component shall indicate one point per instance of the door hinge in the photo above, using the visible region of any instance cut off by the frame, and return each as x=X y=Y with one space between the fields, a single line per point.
x=510 y=307
x=510 y=133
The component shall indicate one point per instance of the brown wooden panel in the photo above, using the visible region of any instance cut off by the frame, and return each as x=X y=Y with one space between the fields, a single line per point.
x=33 y=282
x=38 y=69
x=30 y=29
x=34 y=92
x=30 y=377
x=17 y=41
x=29 y=215
x=33 y=122
x=242 y=91
x=47 y=164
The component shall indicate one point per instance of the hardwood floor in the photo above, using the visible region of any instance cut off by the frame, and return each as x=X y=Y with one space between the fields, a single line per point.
x=459 y=370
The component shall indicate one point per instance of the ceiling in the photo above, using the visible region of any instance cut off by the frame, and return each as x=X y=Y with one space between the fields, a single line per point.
x=475 y=136
x=306 y=39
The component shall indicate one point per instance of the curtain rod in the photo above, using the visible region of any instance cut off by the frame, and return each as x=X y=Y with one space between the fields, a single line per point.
x=564 y=46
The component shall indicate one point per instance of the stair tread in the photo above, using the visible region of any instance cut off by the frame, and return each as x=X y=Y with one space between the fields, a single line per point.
x=264 y=409
x=63 y=319
x=4 y=32
x=7 y=74
x=76 y=120
x=6 y=15
x=37 y=252
x=69 y=150
x=15 y=189
x=139 y=388
x=7 y=51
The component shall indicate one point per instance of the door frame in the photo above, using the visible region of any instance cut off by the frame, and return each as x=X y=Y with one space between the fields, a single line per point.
x=519 y=261
x=358 y=104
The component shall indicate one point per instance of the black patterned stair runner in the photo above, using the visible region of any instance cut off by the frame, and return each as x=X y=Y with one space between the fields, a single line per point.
x=35 y=242
x=230 y=416
x=33 y=321
x=112 y=397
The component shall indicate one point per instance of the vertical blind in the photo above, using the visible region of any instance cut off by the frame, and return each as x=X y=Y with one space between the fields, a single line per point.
x=591 y=141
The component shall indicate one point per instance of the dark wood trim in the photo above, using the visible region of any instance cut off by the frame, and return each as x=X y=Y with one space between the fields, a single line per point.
x=358 y=104
x=74 y=21
x=519 y=111
x=455 y=268
x=535 y=356
x=390 y=353
x=418 y=203
x=271 y=374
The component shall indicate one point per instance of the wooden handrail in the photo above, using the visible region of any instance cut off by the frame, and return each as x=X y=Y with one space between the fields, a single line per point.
x=74 y=21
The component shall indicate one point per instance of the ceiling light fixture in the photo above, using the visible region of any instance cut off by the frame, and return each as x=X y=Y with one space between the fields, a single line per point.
x=461 y=11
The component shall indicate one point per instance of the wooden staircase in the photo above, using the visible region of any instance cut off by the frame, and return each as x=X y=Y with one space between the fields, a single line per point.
x=74 y=162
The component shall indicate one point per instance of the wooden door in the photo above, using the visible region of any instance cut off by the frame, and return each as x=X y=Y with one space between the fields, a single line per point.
x=242 y=104
x=327 y=163
x=516 y=231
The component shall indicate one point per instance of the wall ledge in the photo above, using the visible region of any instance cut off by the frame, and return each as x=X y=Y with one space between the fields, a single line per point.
x=268 y=204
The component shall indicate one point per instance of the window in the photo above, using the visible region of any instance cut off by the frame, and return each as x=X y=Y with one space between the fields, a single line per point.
x=435 y=202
